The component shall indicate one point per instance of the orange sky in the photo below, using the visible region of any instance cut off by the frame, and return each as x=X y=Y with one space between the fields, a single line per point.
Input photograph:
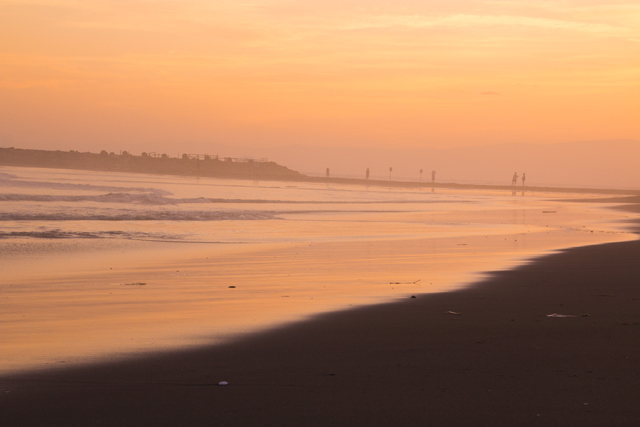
x=141 y=74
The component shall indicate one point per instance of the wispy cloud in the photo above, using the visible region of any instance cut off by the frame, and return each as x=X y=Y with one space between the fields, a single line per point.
x=469 y=20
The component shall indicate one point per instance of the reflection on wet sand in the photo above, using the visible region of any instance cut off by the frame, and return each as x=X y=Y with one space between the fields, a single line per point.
x=263 y=255
x=74 y=307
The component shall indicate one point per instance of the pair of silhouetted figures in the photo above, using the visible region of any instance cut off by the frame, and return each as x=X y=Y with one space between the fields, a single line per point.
x=514 y=180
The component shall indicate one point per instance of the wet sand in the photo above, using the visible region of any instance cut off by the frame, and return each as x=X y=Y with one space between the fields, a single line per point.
x=82 y=301
x=500 y=362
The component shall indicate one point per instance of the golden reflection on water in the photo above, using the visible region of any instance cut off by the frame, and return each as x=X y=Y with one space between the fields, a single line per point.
x=75 y=301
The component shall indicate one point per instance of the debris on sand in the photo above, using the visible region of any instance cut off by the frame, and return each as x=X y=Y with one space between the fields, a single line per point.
x=453 y=312
x=223 y=383
x=134 y=284
x=232 y=287
x=405 y=283
x=561 y=315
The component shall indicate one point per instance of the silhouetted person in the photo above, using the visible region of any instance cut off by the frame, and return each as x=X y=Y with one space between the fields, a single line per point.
x=433 y=176
x=367 y=173
x=524 y=178
x=327 y=172
x=514 y=180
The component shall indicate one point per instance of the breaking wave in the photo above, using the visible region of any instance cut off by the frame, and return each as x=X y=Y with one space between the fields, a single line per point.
x=10 y=182
x=140 y=216
x=149 y=199
x=157 y=199
x=59 y=234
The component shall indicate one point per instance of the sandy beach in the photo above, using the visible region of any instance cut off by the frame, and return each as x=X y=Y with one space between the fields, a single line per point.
x=501 y=361
x=99 y=266
x=295 y=213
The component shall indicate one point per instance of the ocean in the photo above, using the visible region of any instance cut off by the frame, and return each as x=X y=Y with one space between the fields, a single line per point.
x=100 y=266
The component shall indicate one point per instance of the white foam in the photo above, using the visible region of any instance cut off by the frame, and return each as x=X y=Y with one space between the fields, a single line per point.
x=60 y=234
x=157 y=199
x=149 y=199
x=129 y=215
x=9 y=182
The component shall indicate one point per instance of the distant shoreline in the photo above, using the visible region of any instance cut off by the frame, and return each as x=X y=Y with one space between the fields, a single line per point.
x=215 y=167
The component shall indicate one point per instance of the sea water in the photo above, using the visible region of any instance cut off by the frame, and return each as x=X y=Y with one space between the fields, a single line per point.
x=97 y=265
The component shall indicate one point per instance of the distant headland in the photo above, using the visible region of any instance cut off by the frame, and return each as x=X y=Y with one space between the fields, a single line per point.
x=214 y=166
x=152 y=163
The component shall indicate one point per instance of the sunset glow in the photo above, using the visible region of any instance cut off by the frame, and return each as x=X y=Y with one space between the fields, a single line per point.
x=82 y=74
x=319 y=213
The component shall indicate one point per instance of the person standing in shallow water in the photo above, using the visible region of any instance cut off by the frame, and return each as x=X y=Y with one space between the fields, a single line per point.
x=524 y=178
x=433 y=176
x=367 y=173
x=327 y=172
x=514 y=180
